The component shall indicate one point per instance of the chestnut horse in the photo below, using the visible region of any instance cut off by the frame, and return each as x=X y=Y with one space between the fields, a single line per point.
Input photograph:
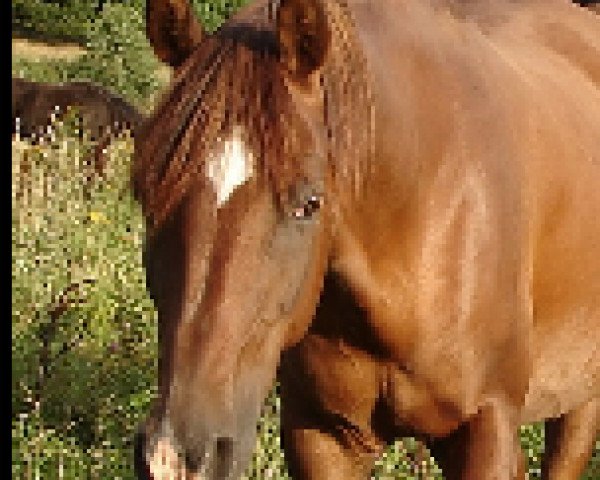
x=393 y=206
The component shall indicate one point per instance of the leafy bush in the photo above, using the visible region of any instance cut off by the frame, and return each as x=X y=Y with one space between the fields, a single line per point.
x=119 y=54
x=118 y=57
x=58 y=21
x=41 y=70
x=213 y=12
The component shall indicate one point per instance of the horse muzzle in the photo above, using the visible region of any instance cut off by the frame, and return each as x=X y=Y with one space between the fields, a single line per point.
x=161 y=455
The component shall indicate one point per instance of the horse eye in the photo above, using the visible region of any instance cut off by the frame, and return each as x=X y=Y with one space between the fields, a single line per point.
x=311 y=205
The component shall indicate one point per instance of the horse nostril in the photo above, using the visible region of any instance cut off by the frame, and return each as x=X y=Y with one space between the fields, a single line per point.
x=215 y=459
x=224 y=446
x=223 y=457
x=193 y=462
x=140 y=463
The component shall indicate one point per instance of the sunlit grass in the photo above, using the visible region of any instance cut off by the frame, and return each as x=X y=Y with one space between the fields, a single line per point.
x=84 y=342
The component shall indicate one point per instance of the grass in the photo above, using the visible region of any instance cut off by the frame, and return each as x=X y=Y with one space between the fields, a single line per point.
x=83 y=344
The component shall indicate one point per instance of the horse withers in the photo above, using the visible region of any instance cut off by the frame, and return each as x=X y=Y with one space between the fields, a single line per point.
x=391 y=205
x=593 y=5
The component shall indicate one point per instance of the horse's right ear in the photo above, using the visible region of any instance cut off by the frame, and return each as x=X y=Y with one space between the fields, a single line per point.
x=173 y=30
x=303 y=36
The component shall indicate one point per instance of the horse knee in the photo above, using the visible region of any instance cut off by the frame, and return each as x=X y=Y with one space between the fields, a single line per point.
x=484 y=448
x=314 y=454
x=570 y=441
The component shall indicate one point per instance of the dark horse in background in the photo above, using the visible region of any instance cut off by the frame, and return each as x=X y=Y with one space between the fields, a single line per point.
x=393 y=206
x=103 y=114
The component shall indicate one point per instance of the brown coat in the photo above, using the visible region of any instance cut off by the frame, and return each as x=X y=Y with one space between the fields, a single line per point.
x=430 y=266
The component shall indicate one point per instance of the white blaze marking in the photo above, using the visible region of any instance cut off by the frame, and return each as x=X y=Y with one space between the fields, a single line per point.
x=230 y=166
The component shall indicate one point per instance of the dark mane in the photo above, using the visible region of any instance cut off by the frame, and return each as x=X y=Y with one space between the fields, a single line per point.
x=235 y=78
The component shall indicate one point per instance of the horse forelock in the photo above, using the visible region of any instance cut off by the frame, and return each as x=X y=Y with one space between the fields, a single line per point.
x=234 y=80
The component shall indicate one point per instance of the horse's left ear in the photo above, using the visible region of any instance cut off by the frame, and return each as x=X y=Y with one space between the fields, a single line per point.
x=173 y=30
x=304 y=37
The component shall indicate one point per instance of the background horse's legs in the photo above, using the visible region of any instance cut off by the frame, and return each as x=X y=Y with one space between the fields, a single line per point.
x=570 y=441
x=485 y=448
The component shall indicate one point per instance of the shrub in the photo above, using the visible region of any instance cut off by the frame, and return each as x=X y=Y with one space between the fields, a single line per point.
x=213 y=12
x=52 y=21
x=119 y=54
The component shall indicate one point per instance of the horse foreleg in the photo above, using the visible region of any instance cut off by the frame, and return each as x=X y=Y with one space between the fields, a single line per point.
x=570 y=441
x=313 y=454
x=484 y=448
x=327 y=399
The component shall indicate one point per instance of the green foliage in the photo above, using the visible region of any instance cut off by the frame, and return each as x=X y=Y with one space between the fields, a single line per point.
x=406 y=459
x=213 y=12
x=119 y=54
x=52 y=20
x=268 y=460
x=41 y=70
x=532 y=439
x=118 y=57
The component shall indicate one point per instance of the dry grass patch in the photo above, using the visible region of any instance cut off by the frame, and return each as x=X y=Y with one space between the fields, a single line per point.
x=34 y=50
